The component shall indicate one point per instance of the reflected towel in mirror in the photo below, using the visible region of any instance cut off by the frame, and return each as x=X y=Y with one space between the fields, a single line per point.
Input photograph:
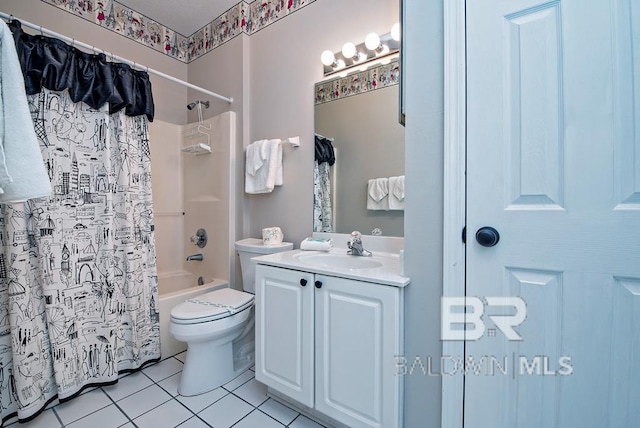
x=378 y=194
x=396 y=193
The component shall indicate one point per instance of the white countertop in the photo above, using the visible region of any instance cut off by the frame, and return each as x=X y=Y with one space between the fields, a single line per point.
x=387 y=274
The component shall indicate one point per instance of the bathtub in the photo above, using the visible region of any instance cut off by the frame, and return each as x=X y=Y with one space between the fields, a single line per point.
x=174 y=288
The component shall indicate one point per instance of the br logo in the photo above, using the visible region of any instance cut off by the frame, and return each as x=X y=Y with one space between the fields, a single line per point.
x=469 y=315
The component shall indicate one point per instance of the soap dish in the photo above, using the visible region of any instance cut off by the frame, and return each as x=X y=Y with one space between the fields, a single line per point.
x=197 y=149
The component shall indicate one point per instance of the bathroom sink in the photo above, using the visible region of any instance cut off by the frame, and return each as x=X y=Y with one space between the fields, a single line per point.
x=338 y=261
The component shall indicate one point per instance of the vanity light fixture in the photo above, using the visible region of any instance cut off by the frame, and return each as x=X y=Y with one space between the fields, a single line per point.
x=350 y=51
x=329 y=60
x=373 y=48
x=395 y=32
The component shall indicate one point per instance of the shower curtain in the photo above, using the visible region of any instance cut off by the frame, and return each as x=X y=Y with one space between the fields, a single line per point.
x=78 y=282
x=324 y=159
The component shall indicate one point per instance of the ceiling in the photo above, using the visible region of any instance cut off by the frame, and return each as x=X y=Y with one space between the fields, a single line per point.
x=184 y=16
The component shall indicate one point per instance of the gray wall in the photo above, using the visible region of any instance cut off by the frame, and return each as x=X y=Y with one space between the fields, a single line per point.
x=424 y=204
x=170 y=98
x=284 y=65
x=270 y=75
x=369 y=143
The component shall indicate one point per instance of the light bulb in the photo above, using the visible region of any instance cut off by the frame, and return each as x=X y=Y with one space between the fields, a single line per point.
x=372 y=41
x=349 y=50
x=327 y=57
x=395 y=31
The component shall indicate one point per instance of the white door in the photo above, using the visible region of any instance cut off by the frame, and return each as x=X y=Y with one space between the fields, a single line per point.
x=553 y=164
x=284 y=331
x=357 y=338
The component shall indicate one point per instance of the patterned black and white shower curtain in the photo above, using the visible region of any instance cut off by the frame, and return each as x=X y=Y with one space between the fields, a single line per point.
x=78 y=284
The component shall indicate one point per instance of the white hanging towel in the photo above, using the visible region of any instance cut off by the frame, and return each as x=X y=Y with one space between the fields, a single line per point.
x=378 y=194
x=263 y=169
x=396 y=193
x=256 y=155
x=22 y=172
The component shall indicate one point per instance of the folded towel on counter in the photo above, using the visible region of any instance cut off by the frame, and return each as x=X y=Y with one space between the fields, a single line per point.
x=378 y=194
x=316 y=244
x=396 y=193
x=263 y=168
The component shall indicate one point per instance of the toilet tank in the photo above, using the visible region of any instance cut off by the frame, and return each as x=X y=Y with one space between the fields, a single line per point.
x=253 y=247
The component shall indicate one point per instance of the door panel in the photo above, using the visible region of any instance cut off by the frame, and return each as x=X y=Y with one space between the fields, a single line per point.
x=553 y=163
x=533 y=108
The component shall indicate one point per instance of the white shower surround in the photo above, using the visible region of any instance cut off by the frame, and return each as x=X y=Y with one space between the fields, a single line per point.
x=199 y=192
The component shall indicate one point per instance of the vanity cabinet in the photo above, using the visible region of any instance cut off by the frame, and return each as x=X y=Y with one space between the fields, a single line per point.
x=330 y=343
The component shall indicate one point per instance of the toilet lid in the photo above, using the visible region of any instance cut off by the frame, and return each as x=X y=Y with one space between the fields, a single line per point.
x=212 y=306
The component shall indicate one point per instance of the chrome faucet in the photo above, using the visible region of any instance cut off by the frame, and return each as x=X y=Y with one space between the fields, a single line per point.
x=355 y=245
x=197 y=257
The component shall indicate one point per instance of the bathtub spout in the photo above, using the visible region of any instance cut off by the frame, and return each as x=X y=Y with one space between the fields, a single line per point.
x=197 y=257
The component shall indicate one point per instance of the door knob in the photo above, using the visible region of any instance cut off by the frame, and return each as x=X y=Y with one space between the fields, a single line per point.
x=303 y=282
x=318 y=284
x=487 y=236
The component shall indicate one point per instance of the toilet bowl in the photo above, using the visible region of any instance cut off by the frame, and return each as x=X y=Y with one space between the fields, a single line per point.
x=218 y=327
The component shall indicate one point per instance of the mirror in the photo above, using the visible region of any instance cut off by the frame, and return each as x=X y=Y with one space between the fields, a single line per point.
x=360 y=113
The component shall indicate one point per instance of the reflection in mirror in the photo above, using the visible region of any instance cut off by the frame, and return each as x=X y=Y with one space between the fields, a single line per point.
x=358 y=116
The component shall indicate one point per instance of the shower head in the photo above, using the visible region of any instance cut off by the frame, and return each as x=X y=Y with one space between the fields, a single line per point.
x=190 y=106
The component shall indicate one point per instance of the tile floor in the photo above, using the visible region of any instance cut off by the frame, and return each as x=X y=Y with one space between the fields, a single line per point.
x=150 y=399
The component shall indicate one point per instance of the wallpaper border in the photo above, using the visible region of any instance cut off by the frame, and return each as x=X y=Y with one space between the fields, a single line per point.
x=244 y=17
x=378 y=77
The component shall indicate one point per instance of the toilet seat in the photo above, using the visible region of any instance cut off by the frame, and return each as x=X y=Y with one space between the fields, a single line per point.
x=211 y=306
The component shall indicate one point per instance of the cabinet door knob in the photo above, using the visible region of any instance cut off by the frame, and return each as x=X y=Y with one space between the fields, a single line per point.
x=318 y=284
x=303 y=282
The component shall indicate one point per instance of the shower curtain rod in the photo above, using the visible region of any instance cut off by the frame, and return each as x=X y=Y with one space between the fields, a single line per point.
x=133 y=64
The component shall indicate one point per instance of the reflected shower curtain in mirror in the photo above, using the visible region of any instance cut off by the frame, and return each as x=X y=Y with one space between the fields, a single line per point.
x=78 y=283
x=322 y=214
x=324 y=159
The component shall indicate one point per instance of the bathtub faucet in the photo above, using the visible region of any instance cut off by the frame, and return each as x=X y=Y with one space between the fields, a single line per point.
x=197 y=257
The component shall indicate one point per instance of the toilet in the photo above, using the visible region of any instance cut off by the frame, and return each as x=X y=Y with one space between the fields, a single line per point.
x=218 y=327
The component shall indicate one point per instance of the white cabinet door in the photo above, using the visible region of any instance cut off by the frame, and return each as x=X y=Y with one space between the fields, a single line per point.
x=358 y=329
x=284 y=331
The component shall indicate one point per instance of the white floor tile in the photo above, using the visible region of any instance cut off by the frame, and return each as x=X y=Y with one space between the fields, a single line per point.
x=253 y=392
x=127 y=425
x=197 y=403
x=233 y=384
x=82 y=406
x=304 y=422
x=225 y=412
x=108 y=417
x=170 y=414
x=258 y=419
x=46 y=419
x=127 y=386
x=194 y=422
x=181 y=356
x=170 y=384
x=278 y=411
x=163 y=369
x=54 y=403
x=143 y=401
